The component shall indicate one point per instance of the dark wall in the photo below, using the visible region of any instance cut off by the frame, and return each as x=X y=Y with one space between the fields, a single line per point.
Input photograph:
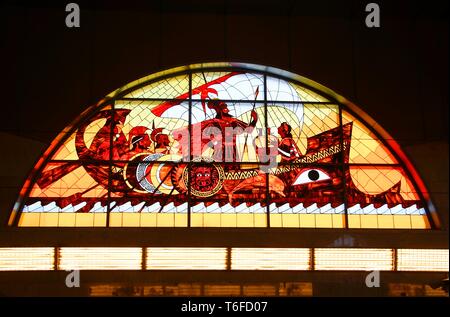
x=397 y=73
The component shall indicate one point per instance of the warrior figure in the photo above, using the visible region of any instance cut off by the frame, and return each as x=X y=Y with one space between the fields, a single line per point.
x=161 y=140
x=287 y=146
x=229 y=128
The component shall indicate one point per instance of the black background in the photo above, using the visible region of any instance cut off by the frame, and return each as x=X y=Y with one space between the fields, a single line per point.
x=51 y=73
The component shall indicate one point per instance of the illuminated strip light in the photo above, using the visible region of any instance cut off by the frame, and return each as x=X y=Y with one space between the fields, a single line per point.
x=423 y=260
x=348 y=259
x=27 y=259
x=270 y=259
x=342 y=259
x=186 y=258
x=100 y=258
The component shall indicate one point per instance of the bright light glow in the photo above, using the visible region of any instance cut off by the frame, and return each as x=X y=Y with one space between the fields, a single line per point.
x=422 y=260
x=270 y=259
x=27 y=259
x=353 y=259
x=180 y=258
x=186 y=258
x=100 y=259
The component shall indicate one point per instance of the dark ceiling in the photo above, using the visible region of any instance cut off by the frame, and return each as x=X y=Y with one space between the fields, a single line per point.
x=397 y=73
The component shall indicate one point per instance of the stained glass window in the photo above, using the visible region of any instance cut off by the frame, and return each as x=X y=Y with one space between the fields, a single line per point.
x=224 y=146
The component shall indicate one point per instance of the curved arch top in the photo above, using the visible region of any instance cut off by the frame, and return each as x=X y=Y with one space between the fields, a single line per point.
x=224 y=145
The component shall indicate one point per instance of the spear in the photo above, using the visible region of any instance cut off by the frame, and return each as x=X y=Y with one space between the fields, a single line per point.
x=253 y=109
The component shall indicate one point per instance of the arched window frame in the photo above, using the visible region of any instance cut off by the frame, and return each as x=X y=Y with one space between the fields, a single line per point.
x=341 y=102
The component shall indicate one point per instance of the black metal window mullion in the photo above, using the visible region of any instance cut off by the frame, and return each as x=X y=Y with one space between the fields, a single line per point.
x=341 y=140
x=189 y=166
x=266 y=127
x=110 y=163
x=231 y=101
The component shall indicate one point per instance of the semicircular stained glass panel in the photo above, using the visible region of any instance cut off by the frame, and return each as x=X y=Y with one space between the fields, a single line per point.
x=221 y=149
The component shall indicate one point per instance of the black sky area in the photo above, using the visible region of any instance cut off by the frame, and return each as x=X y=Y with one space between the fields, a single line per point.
x=397 y=73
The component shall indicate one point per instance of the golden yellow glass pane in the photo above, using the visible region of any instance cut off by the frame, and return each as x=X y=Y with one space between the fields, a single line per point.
x=100 y=220
x=228 y=220
x=354 y=221
x=196 y=220
x=365 y=146
x=165 y=220
x=75 y=181
x=307 y=221
x=369 y=221
x=48 y=219
x=375 y=180
x=290 y=221
x=210 y=220
x=324 y=221
x=244 y=220
x=85 y=219
x=385 y=221
x=131 y=219
x=260 y=220
x=419 y=222
x=148 y=220
x=67 y=219
x=276 y=221
x=402 y=222
x=338 y=221
x=115 y=219
x=29 y=219
x=180 y=220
